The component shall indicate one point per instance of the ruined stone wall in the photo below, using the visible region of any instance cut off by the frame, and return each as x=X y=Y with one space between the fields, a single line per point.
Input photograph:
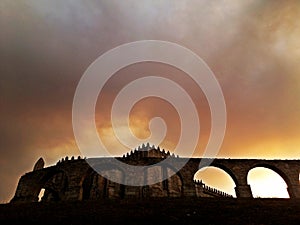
x=74 y=179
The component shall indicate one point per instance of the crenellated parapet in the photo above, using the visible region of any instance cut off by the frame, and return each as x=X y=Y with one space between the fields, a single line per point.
x=148 y=151
x=204 y=190
x=67 y=159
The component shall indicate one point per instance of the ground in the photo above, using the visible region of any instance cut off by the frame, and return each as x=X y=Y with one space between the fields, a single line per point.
x=155 y=211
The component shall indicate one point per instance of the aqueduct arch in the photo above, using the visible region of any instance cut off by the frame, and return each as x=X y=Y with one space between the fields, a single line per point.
x=238 y=169
x=223 y=167
x=73 y=173
x=214 y=169
x=274 y=168
x=270 y=186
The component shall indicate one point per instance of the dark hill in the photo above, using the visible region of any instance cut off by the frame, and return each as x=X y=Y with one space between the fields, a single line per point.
x=155 y=211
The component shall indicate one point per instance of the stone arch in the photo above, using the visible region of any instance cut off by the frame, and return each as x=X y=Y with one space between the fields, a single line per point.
x=171 y=185
x=174 y=183
x=277 y=171
x=54 y=182
x=225 y=171
x=95 y=186
x=85 y=183
x=152 y=189
x=175 y=179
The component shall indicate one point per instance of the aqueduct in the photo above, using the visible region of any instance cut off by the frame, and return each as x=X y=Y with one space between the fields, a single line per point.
x=74 y=179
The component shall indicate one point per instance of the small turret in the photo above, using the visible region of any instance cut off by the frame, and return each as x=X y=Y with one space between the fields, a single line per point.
x=39 y=164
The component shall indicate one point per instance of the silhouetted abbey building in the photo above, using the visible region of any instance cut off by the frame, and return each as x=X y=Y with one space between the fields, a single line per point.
x=73 y=179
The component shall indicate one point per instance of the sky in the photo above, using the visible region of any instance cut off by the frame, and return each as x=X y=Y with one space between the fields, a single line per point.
x=251 y=46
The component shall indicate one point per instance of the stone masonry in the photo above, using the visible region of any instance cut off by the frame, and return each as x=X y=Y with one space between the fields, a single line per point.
x=74 y=179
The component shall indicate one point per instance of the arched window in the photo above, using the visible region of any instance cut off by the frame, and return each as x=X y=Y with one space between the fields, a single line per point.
x=266 y=183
